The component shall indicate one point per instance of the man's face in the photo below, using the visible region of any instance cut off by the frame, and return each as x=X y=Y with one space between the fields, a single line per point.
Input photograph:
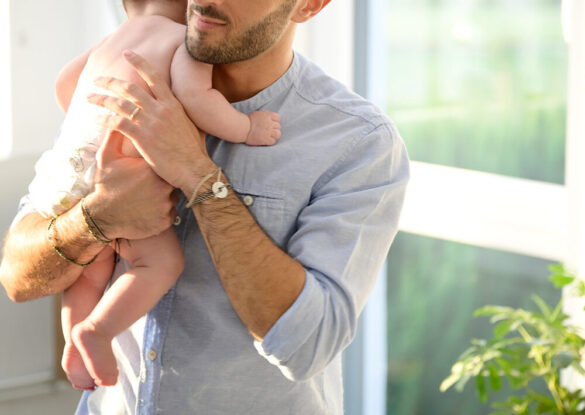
x=231 y=31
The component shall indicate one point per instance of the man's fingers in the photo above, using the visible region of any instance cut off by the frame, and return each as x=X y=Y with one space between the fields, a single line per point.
x=153 y=79
x=123 y=125
x=123 y=89
x=118 y=106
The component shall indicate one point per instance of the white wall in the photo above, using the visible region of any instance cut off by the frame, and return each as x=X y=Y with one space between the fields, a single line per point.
x=328 y=40
x=44 y=35
x=36 y=39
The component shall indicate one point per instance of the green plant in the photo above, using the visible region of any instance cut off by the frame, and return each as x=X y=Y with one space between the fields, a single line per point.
x=529 y=349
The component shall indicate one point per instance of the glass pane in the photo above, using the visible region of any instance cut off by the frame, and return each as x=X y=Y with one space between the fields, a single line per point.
x=433 y=288
x=478 y=84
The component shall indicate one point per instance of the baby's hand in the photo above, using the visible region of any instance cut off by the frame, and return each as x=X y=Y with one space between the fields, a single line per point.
x=264 y=128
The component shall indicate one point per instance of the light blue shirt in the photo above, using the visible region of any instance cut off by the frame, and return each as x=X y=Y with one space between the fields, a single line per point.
x=329 y=193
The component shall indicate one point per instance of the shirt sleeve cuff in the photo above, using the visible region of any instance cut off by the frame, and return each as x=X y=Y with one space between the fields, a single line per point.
x=24 y=208
x=295 y=326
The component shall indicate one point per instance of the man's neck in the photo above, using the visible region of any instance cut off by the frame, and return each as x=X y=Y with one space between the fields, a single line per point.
x=242 y=80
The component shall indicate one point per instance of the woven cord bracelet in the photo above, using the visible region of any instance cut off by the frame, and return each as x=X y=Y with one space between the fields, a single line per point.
x=102 y=238
x=50 y=231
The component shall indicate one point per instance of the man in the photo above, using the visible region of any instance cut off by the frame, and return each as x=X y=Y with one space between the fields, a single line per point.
x=277 y=268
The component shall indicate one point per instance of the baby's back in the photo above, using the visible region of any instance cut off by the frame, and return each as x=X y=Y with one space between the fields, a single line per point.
x=155 y=38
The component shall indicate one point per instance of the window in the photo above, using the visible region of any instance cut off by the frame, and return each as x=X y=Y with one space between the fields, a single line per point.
x=481 y=94
x=479 y=84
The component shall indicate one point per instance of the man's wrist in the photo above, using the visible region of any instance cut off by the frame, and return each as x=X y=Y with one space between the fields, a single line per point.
x=219 y=189
x=200 y=180
x=72 y=240
x=95 y=218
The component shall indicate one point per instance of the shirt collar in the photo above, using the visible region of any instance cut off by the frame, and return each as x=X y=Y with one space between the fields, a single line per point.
x=268 y=94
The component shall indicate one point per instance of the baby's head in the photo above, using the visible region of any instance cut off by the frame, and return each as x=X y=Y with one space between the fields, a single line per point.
x=173 y=9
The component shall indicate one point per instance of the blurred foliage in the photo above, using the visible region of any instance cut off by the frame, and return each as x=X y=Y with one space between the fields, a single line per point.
x=433 y=287
x=480 y=84
x=529 y=349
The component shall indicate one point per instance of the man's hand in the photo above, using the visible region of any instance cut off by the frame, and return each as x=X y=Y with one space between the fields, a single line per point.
x=129 y=200
x=261 y=281
x=157 y=125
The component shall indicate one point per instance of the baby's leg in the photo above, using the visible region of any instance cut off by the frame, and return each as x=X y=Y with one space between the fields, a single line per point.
x=77 y=303
x=156 y=263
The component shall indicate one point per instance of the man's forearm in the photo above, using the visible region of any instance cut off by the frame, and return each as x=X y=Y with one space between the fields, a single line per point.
x=261 y=280
x=31 y=267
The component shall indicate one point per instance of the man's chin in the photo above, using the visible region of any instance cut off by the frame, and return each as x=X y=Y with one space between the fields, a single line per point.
x=213 y=56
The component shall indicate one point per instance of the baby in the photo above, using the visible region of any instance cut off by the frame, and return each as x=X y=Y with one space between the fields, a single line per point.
x=90 y=317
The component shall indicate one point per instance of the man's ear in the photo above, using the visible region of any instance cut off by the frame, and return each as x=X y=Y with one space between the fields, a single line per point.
x=306 y=9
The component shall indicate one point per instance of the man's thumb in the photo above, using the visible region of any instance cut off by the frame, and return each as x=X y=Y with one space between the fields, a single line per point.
x=111 y=149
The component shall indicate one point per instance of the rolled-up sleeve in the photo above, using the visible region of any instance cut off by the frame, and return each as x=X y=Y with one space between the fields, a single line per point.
x=342 y=239
x=25 y=207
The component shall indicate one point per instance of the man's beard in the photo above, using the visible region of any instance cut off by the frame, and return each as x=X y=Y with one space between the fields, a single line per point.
x=251 y=43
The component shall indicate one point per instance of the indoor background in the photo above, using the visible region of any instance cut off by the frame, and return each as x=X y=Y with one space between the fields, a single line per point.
x=489 y=96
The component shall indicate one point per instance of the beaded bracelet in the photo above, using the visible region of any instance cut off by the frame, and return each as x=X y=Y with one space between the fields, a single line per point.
x=50 y=232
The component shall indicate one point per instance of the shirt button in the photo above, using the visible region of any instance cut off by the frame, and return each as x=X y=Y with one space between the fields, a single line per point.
x=151 y=355
x=177 y=221
x=248 y=200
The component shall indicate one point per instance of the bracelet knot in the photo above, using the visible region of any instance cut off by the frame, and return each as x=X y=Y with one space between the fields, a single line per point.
x=219 y=190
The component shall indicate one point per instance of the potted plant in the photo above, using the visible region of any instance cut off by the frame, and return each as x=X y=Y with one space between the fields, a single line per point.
x=529 y=349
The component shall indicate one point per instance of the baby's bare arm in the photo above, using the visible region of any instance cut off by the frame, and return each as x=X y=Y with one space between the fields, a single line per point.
x=68 y=76
x=67 y=80
x=210 y=110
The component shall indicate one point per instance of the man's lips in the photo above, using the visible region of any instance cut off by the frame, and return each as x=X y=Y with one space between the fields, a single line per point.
x=206 y=23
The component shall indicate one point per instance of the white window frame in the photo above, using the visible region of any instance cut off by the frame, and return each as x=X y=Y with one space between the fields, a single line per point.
x=573 y=17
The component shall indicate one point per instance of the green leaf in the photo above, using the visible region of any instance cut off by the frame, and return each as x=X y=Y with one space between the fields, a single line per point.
x=462 y=382
x=557 y=314
x=556 y=269
x=503 y=328
x=457 y=373
x=542 y=305
x=449 y=381
x=580 y=288
x=561 y=281
x=563 y=359
x=482 y=391
x=495 y=381
x=490 y=310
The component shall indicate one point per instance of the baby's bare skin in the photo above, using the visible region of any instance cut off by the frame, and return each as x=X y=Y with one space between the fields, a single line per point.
x=88 y=358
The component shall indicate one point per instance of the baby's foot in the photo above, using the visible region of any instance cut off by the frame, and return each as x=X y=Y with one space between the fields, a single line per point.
x=264 y=128
x=96 y=350
x=73 y=366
